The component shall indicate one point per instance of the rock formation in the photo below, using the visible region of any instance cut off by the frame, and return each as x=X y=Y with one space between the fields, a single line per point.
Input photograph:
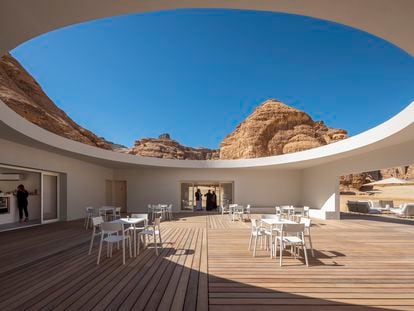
x=167 y=148
x=21 y=92
x=275 y=128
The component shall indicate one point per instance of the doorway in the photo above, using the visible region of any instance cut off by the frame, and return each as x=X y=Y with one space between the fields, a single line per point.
x=50 y=197
x=43 y=201
x=223 y=189
x=116 y=194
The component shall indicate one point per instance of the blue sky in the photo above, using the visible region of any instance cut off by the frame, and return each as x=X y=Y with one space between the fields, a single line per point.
x=196 y=74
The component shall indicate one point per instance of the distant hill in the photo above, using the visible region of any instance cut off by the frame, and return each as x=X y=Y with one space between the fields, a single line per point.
x=21 y=92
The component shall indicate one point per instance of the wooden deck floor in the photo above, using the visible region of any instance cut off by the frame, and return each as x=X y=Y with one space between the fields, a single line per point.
x=360 y=264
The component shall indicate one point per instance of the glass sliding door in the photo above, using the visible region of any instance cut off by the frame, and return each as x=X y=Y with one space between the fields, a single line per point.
x=187 y=196
x=50 y=197
x=222 y=189
x=226 y=193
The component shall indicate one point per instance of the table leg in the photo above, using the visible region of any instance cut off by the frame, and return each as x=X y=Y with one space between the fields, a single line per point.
x=135 y=241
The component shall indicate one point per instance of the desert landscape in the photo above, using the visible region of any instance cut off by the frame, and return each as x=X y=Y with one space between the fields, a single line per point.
x=273 y=128
x=397 y=194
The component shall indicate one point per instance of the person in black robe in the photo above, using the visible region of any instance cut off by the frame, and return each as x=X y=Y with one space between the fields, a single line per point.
x=214 y=200
x=22 y=202
x=209 y=197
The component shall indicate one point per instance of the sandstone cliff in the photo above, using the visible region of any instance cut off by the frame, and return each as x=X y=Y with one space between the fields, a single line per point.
x=275 y=128
x=21 y=92
x=167 y=148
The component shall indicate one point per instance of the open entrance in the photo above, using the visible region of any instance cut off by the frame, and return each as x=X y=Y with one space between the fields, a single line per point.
x=224 y=191
x=42 y=201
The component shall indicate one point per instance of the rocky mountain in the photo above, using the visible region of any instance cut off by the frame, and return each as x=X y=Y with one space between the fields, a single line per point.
x=275 y=128
x=21 y=92
x=167 y=148
x=355 y=181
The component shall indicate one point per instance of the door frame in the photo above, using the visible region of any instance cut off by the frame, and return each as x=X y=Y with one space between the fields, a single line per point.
x=43 y=221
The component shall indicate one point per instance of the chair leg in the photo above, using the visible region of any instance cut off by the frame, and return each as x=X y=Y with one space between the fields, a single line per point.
x=306 y=254
x=130 y=247
x=100 y=250
x=255 y=246
x=275 y=247
x=311 y=247
x=159 y=236
x=271 y=246
x=139 y=243
x=250 y=241
x=155 y=242
x=90 y=246
x=123 y=251
x=281 y=253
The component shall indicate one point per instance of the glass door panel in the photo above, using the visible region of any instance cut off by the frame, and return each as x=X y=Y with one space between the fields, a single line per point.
x=187 y=196
x=50 y=197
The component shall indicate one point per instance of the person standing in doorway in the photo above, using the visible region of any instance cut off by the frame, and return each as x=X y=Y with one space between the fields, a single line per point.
x=214 y=200
x=22 y=195
x=198 y=197
x=208 y=196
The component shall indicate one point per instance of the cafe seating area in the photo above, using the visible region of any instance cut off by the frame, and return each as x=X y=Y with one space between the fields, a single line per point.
x=131 y=231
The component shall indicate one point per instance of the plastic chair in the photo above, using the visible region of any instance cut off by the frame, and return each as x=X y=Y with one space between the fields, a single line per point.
x=108 y=229
x=291 y=235
x=154 y=231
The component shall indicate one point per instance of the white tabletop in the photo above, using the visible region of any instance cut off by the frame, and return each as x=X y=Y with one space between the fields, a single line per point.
x=129 y=221
x=275 y=221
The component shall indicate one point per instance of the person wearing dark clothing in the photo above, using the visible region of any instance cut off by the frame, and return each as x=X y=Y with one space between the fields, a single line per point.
x=198 y=197
x=22 y=195
x=209 y=197
x=214 y=200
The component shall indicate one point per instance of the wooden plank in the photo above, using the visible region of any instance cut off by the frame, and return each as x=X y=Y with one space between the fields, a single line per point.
x=361 y=264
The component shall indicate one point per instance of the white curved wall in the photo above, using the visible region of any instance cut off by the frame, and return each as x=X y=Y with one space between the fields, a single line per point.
x=309 y=177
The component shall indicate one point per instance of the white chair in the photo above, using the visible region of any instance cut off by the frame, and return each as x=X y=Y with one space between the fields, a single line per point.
x=108 y=236
x=298 y=210
x=257 y=232
x=105 y=211
x=306 y=211
x=117 y=213
x=291 y=235
x=278 y=210
x=145 y=216
x=96 y=221
x=169 y=212
x=270 y=231
x=89 y=213
x=154 y=231
x=248 y=211
x=232 y=207
x=238 y=212
x=308 y=223
x=224 y=209
x=405 y=210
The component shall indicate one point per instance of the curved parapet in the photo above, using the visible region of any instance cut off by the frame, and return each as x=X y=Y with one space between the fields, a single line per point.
x=396 y=130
